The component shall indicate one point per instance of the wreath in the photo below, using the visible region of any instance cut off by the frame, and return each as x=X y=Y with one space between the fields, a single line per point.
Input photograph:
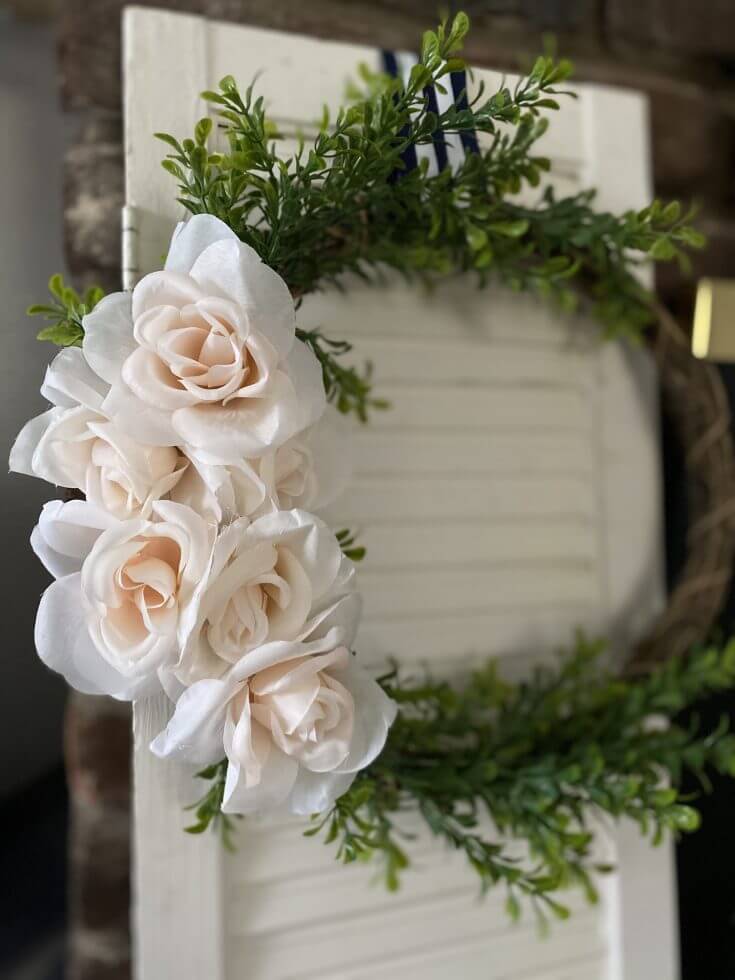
x=193 y=421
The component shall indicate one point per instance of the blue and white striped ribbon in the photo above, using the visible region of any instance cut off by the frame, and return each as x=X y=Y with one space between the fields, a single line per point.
x=445 y=151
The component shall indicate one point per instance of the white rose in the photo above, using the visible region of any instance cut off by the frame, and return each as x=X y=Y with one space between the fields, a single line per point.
x=205 y=354
x=296 y=722
x=75 y=445
x=307 y=472
x=112 y=622
x=281 y=577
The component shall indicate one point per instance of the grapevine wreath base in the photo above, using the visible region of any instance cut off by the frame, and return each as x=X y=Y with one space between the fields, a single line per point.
x=696 y=403
x=190 y=422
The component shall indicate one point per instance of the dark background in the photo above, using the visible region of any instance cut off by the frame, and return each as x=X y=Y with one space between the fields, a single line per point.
x=64 y=853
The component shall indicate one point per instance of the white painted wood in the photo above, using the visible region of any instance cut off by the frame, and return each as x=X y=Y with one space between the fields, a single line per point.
x=511 y=493
x=144 y=234
x=177 y=909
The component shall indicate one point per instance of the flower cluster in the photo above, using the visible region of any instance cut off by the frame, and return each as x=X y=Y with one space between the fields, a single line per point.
x=195 y=424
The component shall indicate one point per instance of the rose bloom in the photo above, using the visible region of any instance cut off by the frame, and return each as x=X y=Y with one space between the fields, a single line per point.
x=307 y=472
x=281 y=577
x=296 y=721
x=204 y=354
x=114 y=616
x=75 y=445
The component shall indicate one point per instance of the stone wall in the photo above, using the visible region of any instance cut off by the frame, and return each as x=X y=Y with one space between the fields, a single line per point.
x=681 y=53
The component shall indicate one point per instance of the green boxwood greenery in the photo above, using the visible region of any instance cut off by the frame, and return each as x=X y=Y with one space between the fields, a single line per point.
x=333 y=207
x=543 y=758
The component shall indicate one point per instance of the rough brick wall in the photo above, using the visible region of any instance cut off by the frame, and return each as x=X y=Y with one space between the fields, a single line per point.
x=680 y=52
x=97 y=747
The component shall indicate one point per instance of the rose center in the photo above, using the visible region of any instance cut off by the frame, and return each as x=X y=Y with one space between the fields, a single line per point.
x=309 y=714
x=150 y=580
x=206 y=356
x=265 y=595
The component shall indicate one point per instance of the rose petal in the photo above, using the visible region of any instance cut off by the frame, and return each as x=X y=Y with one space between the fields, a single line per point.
x=199 y=536
x=163 y=288
x=70 y=381
x=149 y=379
x=200 y=488
x=126 y=477
x=331 y=443
x=65 y=534
x=269 y=654
x=276 y=782
x=138 y=420
x=375 y=712
x=192 y=237
x=108 y=336
x=63 y=451
x=344 y=615
x=64 y=645
x=24 y=447
x=245 y=427
x=306 y=377
x=195 y=731
x=234 y=270
x=311 y=541
x=315 y=792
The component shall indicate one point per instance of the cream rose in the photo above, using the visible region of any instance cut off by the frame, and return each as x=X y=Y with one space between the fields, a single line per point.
x=296 y=722
x=281 y=577
x=75 y=445
x=204 y=354
x=115 y=619
x=307 y=472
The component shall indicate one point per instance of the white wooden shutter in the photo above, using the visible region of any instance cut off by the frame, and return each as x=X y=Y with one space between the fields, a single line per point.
x=511 y=493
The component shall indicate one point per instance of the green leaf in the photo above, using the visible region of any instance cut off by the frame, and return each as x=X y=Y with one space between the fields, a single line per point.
x=202 y=130
x=510 y=229
x=476 y=237
x=559 y=910
x=56 y=286
x=356 y=554
x=198 y=158
x=664 y=797
x=197 y=828
x=512 y=907
x=671 y=213
x=691 y=237
x=684 y=818
x=662 y=250
x=168 y=139
x=63 y=333
x=173 y=168
x=459 y=29
x=37 y=308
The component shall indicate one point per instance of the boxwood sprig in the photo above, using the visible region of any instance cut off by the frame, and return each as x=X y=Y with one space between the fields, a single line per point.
x=65 y=312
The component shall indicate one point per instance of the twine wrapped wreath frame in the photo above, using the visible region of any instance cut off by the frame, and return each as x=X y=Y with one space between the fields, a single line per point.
x=695 y=400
